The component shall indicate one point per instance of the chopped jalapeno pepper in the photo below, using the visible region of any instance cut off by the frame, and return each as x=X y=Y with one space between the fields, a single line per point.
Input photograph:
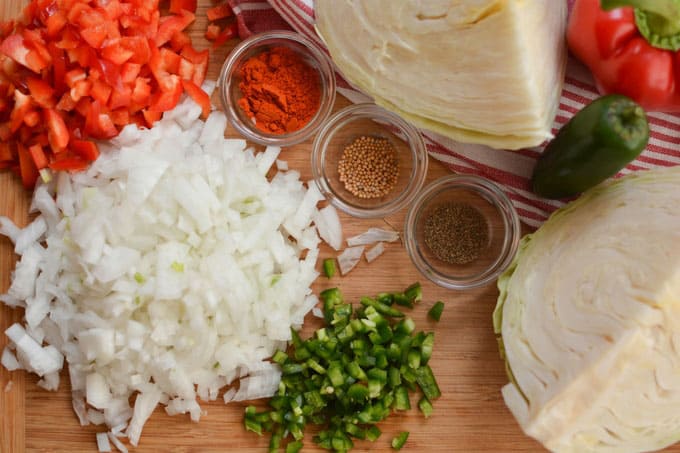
x=350 y=375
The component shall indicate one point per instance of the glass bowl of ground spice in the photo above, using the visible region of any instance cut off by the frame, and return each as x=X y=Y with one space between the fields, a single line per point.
x=277 y=88
x=368 y=162
x=462 y=231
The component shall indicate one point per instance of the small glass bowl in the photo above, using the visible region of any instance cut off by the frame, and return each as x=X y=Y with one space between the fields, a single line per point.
x=368 y=120
x=502 y=221
x=230 y=78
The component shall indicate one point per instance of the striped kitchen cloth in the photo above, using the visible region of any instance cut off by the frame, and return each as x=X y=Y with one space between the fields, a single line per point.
x=511 y=169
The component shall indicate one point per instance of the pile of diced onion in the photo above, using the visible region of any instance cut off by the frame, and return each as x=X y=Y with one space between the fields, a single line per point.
x=169 y=269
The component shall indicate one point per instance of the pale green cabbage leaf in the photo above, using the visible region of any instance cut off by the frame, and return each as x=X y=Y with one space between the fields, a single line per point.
x=588 y=320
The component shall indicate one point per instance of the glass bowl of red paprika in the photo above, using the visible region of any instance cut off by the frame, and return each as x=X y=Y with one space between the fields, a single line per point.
x=462 y=231
x=277 y=88
x=369 y=162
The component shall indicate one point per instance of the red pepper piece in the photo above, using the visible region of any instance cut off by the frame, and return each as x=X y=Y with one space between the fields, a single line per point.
x=627 y=53
x=219 y=12
x=27 y=168
x=199 y=96
x=85 y=149
x=229 y=32
x=38 y=155
x=176 y=6
x=57 y=132
x=69 y=164
x=212 y=32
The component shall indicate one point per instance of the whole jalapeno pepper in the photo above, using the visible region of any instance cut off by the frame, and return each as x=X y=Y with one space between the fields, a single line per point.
x=594 y=145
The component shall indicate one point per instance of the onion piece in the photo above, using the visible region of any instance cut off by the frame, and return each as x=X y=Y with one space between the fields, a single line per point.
x=329 y=227
x=229 y=395
x=349 y=258
x=117 y=443
x=372 y=236
x=9 y=360
x=375 y=251
x=103 y=444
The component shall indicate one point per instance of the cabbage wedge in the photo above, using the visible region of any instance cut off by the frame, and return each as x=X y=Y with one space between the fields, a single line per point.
x=588 y=320
x=478 y=71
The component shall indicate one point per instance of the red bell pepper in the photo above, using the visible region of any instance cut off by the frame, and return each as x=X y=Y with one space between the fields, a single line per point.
x=631 y=47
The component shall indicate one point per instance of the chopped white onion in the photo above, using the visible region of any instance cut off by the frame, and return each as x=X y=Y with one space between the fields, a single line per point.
x=80 y=408
x=372 y=236
x=163 y=272
x=349 y=258
x=8 y=386
x=316 y=311
x=375 y=251
x=9 y=229
x=31 y=355
x=103 y=444
x=229 y=395
x=117 y=443
x=328 y=224
x=9 y=360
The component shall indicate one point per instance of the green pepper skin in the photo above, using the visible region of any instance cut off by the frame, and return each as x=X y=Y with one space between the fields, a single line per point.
x=594 y=145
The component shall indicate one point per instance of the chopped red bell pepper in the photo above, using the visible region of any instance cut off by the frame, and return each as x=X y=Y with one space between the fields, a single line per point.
x=75 y=70
x=69 y=164
x=229 y=32
x=176 y=6
x=219 y=12
x=632 y=47
x=199 y=96
x=57 y=132
x=212 y=32
x=5 y=152
x=38 y=155
x=41 y=92
x=27 y=168
x=169 y=25
x=85 y=149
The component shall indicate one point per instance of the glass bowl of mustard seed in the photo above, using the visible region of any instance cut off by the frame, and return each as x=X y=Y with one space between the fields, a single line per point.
x=462 y=231
x=277 y=88
x=368 y=162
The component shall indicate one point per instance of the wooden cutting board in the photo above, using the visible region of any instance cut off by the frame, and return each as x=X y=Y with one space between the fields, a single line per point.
x=470 y=415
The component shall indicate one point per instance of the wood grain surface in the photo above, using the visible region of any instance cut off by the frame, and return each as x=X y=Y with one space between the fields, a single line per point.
x=470 y=415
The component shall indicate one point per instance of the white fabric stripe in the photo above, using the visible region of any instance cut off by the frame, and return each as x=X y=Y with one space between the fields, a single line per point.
x=572 y=103
x=661 y=156
x=530 y=208
x=301 y=25
x=665 y=130
x=251 y=7
x=671 y=118
x=579 y=91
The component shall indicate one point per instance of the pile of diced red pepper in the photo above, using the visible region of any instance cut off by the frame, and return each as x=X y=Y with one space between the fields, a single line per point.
x=76 y=70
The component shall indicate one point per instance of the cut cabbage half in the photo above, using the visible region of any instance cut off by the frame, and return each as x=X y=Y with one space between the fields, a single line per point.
x=478 y=71
x=589 y=318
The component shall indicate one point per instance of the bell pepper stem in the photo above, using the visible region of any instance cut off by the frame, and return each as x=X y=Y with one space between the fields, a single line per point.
x=663 y=15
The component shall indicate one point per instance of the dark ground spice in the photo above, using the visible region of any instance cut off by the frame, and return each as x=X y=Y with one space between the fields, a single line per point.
x=456 y=233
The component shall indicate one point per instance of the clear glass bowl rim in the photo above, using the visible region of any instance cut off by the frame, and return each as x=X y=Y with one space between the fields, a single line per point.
x=512 y=230
x=418 y=153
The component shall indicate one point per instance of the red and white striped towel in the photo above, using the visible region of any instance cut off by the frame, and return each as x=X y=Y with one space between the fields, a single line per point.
x=511 y=169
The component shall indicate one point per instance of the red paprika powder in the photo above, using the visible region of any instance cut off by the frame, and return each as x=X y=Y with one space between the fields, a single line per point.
x=281 y=92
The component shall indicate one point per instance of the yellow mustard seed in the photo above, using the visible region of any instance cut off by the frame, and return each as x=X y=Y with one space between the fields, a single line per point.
x=369 y=167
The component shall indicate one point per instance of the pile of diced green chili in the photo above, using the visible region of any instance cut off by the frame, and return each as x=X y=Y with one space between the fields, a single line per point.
x=350 y=375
